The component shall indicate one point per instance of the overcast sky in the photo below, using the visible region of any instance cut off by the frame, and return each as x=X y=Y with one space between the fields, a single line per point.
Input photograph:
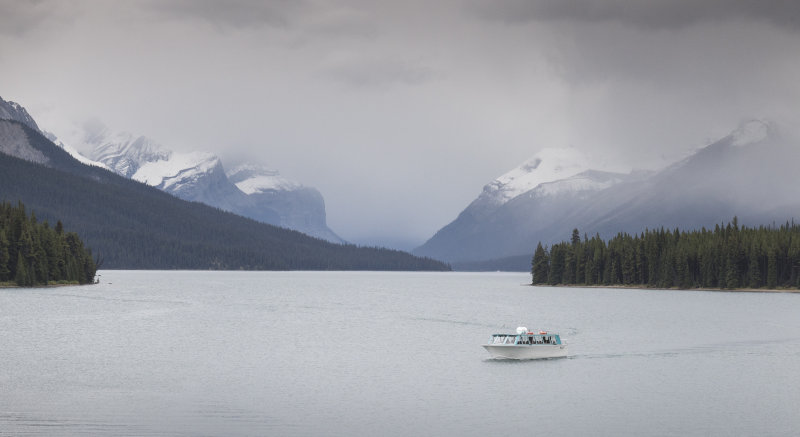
x=400 y=111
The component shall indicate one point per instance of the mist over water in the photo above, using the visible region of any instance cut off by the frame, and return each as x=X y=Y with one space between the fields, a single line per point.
x=307 y=353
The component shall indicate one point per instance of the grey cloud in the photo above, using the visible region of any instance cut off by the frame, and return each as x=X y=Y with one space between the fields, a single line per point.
x=235 y=13
x=20 y=17
x=365 y=88
x=344 y=22
x=378 y=73
x=651 y=14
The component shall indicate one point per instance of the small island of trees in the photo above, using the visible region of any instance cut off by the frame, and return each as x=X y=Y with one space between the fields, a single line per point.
x=33 y=253
x=727 y=257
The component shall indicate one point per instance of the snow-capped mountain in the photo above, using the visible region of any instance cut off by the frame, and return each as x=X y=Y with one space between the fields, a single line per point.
x=749 y=173
x=254 y=179
x=250 y=191
x=14 y=111
x=255 y=192
x=124 y=153
x=546 y=166
x=512 y=209
x=301 y=207
x=549 y=165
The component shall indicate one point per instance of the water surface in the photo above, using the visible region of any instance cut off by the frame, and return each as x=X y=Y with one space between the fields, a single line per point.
x=357 y=353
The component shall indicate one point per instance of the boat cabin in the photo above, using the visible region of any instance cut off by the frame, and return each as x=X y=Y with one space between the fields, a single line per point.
x=525 y=339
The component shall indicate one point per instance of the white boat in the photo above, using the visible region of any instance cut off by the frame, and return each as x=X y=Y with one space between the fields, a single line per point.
x=525 y=345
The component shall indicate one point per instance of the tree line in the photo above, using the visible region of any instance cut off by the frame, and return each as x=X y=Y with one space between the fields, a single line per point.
x=33 y=253
x=729 y=256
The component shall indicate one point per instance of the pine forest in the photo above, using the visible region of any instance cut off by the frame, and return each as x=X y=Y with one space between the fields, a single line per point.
x=33 y=253
x=727 y=257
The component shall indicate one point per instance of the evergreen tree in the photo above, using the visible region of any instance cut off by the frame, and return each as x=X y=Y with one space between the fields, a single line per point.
x=628 y=266
x=22 y=277
x=5 y=272
x=570 y=265
x=541 y=265
x=580 y=268
x=576 y=238
x=730 y=256
x=556 y=274
x=31 y=253
x=772 y=269
x=754 y=267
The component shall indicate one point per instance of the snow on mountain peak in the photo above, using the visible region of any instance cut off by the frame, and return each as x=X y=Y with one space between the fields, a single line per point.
x=251 y=179
x=548 y=165
x=176 y=168
x=750 y=132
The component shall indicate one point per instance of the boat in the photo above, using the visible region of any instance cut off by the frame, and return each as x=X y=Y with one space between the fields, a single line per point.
x=526 y=345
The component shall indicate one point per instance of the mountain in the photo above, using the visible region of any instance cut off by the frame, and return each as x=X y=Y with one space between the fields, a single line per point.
x=201 y=177
x=14 y=111
x=131 y=225
x=748 y=174
x=519 y=206
x=278 y=200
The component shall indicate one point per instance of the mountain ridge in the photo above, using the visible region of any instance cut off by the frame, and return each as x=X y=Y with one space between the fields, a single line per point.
x=747 y=173
x=134 y=226
x=201 y=177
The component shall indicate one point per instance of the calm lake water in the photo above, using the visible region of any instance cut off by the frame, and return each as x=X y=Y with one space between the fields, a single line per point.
x=320 y=353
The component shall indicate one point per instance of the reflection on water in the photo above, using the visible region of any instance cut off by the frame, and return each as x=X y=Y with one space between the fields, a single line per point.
x=298 y=353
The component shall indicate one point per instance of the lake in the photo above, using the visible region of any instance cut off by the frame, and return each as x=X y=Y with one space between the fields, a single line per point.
x=150 y=353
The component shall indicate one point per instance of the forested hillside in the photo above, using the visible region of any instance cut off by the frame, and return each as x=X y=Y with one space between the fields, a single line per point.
x=132 y=226
x=33 y=253
x=729 y=256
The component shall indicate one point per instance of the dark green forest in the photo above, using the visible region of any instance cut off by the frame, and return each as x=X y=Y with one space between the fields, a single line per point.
x=727 y=257
x=130 y=225
x=33 y=253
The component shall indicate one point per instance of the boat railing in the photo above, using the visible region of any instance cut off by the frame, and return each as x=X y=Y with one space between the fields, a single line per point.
x=511 y=339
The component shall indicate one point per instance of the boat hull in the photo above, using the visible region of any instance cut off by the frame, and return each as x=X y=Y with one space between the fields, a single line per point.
x=526 y=352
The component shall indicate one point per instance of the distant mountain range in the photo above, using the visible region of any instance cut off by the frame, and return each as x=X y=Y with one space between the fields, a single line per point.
x=257 y=192
x=251 y=190
x=750 y=173
x=132 y=225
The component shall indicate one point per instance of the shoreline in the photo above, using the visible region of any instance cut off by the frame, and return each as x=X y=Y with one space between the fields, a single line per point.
x=635 y=287
x=42 y=286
